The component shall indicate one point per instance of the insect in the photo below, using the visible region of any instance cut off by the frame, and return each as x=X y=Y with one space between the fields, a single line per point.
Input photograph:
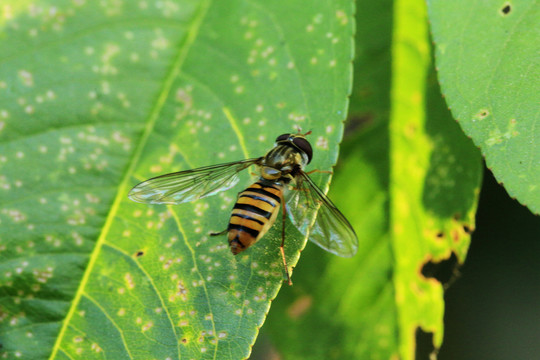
x=282 y=183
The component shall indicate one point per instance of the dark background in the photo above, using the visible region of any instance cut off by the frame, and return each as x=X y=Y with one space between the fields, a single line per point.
x=492 y=309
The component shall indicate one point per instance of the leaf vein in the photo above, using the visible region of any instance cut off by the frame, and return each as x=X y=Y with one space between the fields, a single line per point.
x=177 y=64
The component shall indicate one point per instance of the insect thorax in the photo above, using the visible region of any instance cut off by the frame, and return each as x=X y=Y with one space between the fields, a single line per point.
x=285 y=158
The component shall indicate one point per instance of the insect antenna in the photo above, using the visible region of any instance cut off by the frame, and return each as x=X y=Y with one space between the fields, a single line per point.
x=300 y=132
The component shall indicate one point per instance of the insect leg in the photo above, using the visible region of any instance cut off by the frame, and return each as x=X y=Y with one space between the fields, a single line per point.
x=318 y=171
x=281 y=248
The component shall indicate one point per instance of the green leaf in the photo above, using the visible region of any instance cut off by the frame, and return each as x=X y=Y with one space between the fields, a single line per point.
x=96 y=96
x=435 y=175
x=487 y=56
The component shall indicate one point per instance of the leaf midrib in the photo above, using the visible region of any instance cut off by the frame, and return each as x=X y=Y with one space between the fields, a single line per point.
x=177 y=64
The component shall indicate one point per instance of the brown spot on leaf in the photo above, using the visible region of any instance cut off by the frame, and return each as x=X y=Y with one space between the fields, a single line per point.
x=455 y=235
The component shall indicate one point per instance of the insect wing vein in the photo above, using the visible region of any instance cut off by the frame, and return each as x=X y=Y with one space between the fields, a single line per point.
x=189 y=185
x=330 y=230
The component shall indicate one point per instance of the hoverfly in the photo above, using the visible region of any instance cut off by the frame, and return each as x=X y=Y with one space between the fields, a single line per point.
x=282 y=181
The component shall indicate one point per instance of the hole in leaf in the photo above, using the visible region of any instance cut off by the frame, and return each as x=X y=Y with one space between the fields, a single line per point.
x=424 y=345
x=467 y=229
x=481 y=114
x=139 y=253
x=184 y=341
x=444 y=271
x=506 y=9
x=439 y=235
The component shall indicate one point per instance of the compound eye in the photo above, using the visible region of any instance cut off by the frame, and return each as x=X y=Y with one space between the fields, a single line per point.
x=283 y=137
x=305 y=146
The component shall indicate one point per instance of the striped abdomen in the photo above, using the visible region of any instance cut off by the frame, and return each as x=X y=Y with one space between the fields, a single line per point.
x=253 y=214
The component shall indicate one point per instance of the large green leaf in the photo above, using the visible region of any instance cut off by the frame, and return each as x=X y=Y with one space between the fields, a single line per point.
x=487 y=56
x=96 y=96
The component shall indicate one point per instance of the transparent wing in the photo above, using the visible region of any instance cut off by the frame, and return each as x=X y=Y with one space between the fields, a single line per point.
x=330 y=230
x=189 y=185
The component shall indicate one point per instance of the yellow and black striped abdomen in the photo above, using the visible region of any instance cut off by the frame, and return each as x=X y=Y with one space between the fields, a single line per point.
x=253 y=214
